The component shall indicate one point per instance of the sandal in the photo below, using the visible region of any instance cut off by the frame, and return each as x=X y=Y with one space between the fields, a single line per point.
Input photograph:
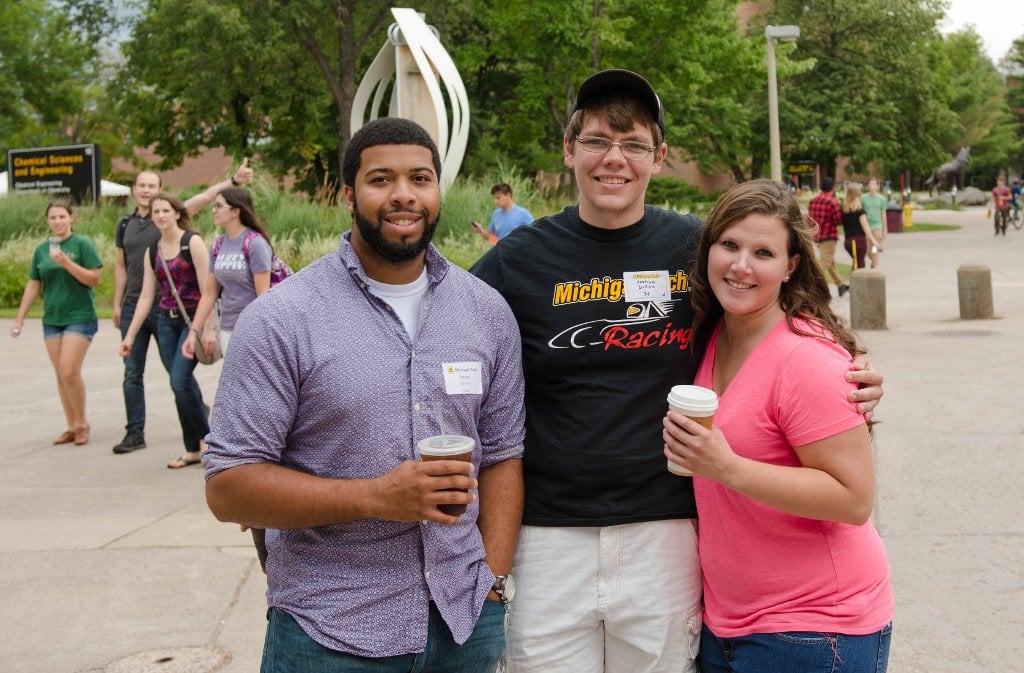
x=81 y=435
x=65 y=437
x=184 y=460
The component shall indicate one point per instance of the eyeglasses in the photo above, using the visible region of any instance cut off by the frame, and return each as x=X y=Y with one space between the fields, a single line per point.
x=218 y=206
x=630 y=149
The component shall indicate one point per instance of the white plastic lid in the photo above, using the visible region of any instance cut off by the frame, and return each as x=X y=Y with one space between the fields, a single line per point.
x=693 y=398
x=446 y=445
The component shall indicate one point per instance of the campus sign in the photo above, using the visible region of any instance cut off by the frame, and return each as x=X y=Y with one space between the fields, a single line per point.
x=70 y=171
x=804 y=167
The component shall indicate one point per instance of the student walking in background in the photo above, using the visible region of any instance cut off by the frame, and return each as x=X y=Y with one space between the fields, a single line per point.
x=239 y=267
x=1000 y=205
x=857 y=236
x=507 y=216
x=177 y=261
x=65 y=270
x=825 y=212
x=874 y=205
x=133 y=236
x=796 y=579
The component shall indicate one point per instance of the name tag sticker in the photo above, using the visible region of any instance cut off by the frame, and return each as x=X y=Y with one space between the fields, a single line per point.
x=646 y=286
x=462 y=378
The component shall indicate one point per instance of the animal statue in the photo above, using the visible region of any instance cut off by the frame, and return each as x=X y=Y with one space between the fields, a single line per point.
x=951 y=171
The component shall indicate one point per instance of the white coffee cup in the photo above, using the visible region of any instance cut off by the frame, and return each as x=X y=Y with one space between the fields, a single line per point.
x=697 y=403
x=54 y=243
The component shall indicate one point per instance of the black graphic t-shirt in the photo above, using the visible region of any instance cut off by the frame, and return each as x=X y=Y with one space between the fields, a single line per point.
x=598 y=367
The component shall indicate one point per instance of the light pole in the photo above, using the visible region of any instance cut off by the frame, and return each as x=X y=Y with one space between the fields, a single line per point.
x=771 y=34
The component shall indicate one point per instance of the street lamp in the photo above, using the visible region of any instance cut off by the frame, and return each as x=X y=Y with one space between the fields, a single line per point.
x=771 y=34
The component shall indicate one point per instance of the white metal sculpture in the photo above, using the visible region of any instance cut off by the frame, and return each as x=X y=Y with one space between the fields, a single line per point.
x=417 y=62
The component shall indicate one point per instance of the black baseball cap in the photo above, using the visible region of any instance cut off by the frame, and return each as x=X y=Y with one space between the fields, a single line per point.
x=606 y=82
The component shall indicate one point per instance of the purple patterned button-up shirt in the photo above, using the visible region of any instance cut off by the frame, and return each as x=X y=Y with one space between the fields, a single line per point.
x=322 y=377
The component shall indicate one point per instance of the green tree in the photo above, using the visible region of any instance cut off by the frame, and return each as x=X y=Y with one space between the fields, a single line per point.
x=276 y=74
x=871 y=96
x=523 y=61
x=52 y=58
x=1014 y=64
x=977 y=95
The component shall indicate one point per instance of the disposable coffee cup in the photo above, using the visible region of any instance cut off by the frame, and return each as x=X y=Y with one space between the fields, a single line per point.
x=694 y=402
x=54 y=243
x=448 y=447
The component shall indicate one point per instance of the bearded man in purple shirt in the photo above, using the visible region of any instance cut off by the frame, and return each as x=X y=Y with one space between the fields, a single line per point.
x=331 y=380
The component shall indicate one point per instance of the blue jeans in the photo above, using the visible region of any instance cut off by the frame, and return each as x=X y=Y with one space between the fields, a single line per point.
x=795 y=652
x=289 y=650
x=135 y=366
x=192 y=411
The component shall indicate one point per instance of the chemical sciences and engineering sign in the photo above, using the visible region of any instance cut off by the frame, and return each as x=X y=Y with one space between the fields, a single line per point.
x=71 y=172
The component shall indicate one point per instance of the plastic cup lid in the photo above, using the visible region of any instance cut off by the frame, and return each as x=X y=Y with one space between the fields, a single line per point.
x=694 y=398
x=445 y=445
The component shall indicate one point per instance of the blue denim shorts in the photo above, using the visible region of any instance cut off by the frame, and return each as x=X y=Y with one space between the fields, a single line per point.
x=82 y=329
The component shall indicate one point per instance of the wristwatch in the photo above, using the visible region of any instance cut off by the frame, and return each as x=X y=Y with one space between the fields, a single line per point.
x=505 y=587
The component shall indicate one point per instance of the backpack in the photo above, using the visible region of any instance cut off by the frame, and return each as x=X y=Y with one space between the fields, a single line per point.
x=186 y=252
x=279 y=269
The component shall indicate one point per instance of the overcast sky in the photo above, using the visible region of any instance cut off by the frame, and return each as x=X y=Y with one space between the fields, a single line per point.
x=998 y=22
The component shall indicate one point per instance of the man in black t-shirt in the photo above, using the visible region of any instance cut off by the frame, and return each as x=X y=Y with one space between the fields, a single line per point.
x=135 y=233
x=606 y=566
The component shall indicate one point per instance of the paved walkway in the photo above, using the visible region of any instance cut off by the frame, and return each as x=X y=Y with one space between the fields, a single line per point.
x=113 y=564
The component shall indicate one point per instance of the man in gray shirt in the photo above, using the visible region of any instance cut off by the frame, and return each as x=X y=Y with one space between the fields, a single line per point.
x=135 y=233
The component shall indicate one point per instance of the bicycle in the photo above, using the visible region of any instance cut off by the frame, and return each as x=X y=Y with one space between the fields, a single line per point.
x=1014 y=216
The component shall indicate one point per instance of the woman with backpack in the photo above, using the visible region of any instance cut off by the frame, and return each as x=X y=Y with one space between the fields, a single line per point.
x=241 y=261
x=177 y=261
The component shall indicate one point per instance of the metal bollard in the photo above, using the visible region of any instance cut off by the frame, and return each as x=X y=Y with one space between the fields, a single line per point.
x=867 y=299
x=974 y=282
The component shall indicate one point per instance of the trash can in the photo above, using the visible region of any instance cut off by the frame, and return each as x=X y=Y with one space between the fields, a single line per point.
x=908 y=215
x=893 y=218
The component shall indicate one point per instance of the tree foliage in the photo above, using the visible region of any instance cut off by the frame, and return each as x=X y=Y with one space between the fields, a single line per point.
x=53 y=62
x=872 y=95
x=870 y=80
x=976 y=93
x=1015 y=101
x=237 y=73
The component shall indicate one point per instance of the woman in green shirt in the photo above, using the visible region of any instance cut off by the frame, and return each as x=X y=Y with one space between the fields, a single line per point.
x=65 y=269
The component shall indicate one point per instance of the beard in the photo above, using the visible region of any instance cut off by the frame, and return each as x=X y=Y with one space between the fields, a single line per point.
x=390 y=251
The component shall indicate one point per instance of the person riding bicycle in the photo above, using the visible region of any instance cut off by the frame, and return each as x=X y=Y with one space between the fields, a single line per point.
x=1001 y=196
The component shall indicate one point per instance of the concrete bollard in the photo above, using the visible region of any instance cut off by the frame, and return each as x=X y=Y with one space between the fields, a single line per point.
x=975 y=284
x=867 y=299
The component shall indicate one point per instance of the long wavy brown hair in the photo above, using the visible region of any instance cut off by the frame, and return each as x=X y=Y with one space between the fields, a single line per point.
x=805 y=295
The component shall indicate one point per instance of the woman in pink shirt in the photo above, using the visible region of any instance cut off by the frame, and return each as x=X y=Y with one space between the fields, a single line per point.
x=795 y=575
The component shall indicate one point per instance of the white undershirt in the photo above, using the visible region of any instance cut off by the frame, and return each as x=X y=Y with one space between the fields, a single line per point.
x=405 y=300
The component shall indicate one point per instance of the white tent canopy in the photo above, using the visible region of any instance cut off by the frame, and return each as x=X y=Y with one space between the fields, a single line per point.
x=107 y=188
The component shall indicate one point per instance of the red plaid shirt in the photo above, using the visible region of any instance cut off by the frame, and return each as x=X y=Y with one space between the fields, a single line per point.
x=824 y=210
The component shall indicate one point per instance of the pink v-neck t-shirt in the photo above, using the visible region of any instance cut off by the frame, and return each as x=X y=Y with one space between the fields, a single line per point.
x=766 y=571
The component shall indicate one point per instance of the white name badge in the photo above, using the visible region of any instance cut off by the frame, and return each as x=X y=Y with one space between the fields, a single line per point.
x=646 y=286
x=462 y=378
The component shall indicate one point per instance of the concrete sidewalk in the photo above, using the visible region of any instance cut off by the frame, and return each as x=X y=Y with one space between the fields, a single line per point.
x=114 y=564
